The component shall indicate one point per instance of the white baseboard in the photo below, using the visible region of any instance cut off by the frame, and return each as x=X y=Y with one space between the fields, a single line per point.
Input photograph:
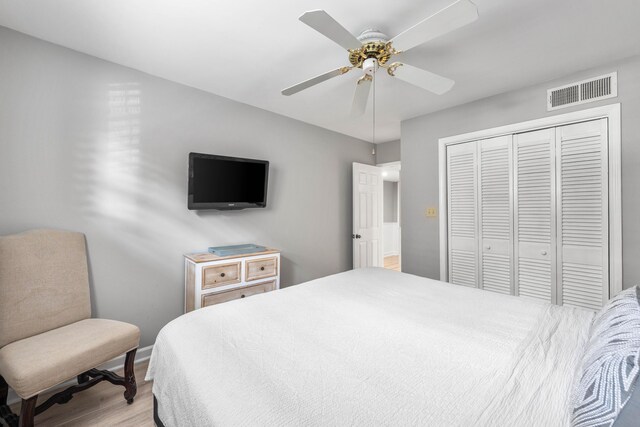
x=142 y=354
x=396 y=253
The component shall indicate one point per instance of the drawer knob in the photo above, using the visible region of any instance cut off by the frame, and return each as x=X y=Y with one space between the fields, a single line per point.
x=242 y=296
x=262 y=268
x=221 y=274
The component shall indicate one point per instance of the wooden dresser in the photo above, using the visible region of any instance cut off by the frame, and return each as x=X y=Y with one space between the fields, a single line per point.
x=212 y=279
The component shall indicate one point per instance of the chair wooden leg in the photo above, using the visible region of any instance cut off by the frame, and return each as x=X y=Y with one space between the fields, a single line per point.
x=6 y=414
x=83 y=378
x=86 y=380
x=4 y=391
x=27 y=412
x=130 y=377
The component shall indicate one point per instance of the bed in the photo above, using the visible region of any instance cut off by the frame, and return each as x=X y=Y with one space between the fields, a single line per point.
x=370 y=347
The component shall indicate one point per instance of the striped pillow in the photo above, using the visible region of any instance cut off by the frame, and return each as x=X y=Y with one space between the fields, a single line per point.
x=611 y=364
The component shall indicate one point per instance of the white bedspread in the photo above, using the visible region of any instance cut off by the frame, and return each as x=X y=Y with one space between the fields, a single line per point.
x=370 y=347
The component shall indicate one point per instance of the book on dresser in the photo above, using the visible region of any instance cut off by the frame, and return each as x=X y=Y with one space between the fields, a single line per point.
x=212 y=279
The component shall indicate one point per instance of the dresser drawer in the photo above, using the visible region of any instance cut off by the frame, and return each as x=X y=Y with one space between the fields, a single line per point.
x=217 y=298
x=261 y=268
x=219 y=275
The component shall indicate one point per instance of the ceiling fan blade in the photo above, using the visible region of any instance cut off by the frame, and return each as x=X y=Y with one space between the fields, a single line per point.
x=315 y=80
x=361 y=96
x=423 y=79
x=450 y=18
x=323 y=23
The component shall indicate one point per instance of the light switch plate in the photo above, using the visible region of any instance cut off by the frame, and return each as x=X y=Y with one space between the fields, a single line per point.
x=431 y=213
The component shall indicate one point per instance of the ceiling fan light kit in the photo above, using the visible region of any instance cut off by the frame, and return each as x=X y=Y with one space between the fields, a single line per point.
x=373 y=49
x=370 y=66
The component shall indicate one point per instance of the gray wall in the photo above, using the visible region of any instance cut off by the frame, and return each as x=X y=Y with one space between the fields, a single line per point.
x=420 y=244
x=390 y=201
x=388 y=152
x=91 y=146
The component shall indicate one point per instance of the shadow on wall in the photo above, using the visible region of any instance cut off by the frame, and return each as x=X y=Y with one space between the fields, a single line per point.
x=133 y=196
x=286 y=267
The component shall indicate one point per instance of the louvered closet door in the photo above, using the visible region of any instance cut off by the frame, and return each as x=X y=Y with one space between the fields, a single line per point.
x=495 y=207
x=462 y=218
x=534 y=215
x=582 y=202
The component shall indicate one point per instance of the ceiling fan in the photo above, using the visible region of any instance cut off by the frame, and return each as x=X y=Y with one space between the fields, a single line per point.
x=373 y=49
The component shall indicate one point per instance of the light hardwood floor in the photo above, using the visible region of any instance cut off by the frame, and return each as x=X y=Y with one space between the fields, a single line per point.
x=392 y=262
x=102 y=405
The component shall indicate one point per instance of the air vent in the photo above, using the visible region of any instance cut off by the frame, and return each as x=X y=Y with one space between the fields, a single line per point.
x=584 y=91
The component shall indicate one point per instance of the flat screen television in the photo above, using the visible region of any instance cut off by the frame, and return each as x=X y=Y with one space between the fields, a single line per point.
x=225 y=183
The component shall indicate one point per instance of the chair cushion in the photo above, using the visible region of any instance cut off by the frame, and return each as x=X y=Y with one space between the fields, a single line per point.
x=44 y=282
x=37 y=363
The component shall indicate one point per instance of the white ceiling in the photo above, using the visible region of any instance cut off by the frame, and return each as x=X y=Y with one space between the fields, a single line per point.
x=249 y=52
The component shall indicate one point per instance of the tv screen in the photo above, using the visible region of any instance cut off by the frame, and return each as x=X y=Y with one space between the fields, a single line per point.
x=219 y=182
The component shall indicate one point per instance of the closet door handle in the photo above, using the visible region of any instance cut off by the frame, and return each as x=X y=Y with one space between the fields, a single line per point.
x=543 y=252
x=488 y=248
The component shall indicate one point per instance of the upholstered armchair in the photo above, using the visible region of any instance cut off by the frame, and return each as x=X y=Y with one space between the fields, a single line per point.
x=47 y=335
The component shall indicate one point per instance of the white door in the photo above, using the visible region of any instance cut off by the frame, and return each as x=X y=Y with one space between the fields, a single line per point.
x=528 y=214
x=534 y=214
x=367 y=216
x=495 y=207
x=583 y=214
x=462 y=211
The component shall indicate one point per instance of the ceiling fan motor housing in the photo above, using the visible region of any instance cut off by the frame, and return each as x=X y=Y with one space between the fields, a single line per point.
x=372 y=35
x=375 y=45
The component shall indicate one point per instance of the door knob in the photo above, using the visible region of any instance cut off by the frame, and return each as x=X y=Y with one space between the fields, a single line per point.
x=488 y=248
x=358 y=236
x=543 y=252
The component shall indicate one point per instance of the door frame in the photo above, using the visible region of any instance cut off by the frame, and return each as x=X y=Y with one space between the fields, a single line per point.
x=610 y=112
x=382 y=165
